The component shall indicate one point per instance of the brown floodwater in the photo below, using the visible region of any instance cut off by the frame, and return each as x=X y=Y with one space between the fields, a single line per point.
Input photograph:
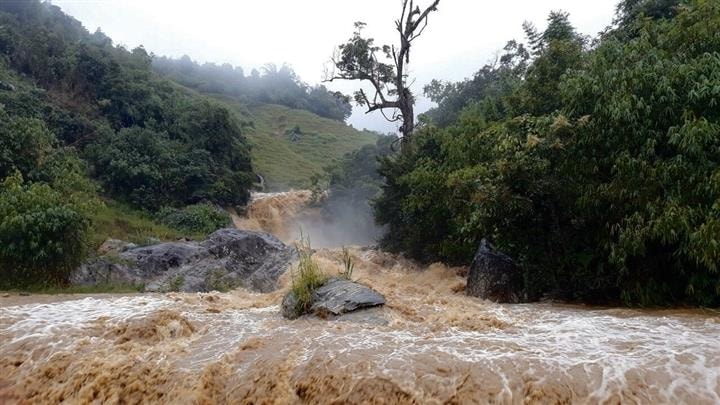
x=430 y=344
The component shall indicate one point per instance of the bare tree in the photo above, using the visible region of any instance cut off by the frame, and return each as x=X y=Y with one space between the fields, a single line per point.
x=358 y=60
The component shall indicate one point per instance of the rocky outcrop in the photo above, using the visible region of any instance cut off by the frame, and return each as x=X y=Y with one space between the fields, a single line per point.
x=229 y=258
x=336 y=297
x=114 y=247
x=494 y=276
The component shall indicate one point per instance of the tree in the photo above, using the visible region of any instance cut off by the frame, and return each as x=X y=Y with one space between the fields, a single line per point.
x=358 y=60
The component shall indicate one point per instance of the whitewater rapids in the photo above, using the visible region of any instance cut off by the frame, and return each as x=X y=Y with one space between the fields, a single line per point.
x=429 y=344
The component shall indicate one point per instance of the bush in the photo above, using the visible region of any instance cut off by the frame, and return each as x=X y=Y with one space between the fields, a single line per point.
x=42 y=235
x=198 y=218
x=24 y=142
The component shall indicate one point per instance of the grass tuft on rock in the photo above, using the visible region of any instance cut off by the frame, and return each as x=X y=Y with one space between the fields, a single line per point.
x=348 y=264
x=307 y=278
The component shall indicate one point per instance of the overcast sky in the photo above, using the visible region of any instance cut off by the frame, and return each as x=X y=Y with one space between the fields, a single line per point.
x=461 y=36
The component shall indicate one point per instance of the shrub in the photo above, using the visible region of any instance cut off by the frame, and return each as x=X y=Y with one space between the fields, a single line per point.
x=198 y=218
x=42 y=235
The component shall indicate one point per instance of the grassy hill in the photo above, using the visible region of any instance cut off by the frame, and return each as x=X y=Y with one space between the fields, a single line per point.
x=288 y=160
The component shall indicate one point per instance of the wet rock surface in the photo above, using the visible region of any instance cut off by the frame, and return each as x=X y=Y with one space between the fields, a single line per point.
x=115 y=246
x=494 y=276
x=229 y=258
x=336 y=297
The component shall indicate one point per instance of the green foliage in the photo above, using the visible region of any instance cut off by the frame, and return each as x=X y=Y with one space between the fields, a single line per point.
x=603 y=182
x=175 y=284
x=198 y=218
x=24 y=143
x=307 y=277
x=43 y=234
x=114 y=220
x=108 y=98
x=216 y=280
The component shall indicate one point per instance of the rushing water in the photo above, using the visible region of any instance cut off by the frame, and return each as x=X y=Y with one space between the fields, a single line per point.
x=430 y=344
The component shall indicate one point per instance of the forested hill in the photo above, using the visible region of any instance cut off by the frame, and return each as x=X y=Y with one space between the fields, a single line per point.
x=269 y=85
x=94 y=144
x=148 y=142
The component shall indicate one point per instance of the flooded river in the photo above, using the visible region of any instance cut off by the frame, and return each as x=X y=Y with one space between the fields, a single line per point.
x=430 y=344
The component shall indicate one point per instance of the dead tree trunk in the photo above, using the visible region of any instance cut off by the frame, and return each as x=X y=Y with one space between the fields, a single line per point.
x=357 y=60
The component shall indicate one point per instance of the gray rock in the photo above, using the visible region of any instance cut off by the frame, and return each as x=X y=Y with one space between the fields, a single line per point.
x=371 y=316
x=336 y=297
x=339 y=296
x=229 y=258
x=114 y=246
x=288 y=308
x=7 y=86
x=494 y=276
x=154 y=260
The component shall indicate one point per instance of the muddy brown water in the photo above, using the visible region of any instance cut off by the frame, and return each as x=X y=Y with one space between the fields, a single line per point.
x=429 y=345
x=433 y=345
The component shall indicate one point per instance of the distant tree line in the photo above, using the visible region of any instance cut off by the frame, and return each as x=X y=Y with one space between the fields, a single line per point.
x=271 y=84
x=595 y=163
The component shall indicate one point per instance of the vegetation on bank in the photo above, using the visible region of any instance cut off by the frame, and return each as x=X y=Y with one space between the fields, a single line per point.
x=94 y=144
x=198 y=218
x=595 y=163
x=80 y=118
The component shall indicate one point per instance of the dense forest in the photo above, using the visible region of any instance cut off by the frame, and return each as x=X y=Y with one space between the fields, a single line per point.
x=270 y=85
x=80 y=118
x=594 y=162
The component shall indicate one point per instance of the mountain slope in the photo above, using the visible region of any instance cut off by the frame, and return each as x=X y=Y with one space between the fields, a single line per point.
x=286 y=158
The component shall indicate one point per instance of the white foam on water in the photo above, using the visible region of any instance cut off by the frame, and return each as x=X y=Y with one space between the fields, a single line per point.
x=622 y=354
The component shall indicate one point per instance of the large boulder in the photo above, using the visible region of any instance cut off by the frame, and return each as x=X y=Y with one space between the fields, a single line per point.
x=494 y=276
x=229 y=258
x=336 y=297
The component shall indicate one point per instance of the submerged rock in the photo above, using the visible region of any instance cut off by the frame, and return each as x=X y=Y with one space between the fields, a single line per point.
x=336 y=297
x=494 y=276
x=229 y=258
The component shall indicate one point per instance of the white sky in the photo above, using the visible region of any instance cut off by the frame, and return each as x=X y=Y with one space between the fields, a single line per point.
x=461 y=36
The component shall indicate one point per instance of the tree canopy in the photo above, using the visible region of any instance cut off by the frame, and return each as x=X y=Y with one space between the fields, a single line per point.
x=596 y=167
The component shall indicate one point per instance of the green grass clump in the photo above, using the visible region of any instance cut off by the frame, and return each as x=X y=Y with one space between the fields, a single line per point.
x=216 y=281
x=198 y=218
x=307 y=278
x=118 y=221
x=348 y=264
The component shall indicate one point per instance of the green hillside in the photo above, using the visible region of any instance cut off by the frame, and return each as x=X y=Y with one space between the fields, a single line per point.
x=287 y=160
